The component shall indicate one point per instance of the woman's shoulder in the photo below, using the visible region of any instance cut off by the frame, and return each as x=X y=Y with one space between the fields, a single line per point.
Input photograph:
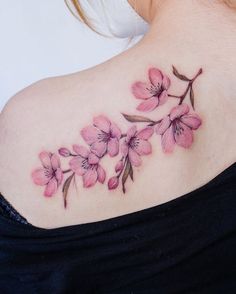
x=90 y=134
x=38 y=92
x=24 y=105
x=41 y=118
x=37 y=118
x=38 y=106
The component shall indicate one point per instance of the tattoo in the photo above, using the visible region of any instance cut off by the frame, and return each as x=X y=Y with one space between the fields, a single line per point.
x=104 y=138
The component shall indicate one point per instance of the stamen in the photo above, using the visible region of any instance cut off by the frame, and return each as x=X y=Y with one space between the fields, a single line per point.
x=178 y=129
x=155 y=90
x=104 y=137
x=48 y=172
x=85 y=164
x=134 y=142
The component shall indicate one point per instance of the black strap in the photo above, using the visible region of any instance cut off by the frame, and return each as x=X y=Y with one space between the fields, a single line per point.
x=8 y=211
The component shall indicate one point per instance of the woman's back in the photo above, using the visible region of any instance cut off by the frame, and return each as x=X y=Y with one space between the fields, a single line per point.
x=125 y=172
x=55 y=113
x=52 y=113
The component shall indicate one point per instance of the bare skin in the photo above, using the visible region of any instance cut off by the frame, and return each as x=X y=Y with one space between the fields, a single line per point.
x=50 y=114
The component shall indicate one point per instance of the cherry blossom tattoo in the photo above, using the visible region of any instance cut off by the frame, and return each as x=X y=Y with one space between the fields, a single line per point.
x=103 y=137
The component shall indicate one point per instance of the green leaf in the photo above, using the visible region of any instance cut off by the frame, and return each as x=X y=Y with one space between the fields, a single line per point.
x=125 y=175
x=66 y=188
x=179 y=76
x=131 y=173
x=192 y=97
x=137 y=118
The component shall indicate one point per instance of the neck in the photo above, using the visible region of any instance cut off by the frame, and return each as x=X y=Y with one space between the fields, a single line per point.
x=194 y=34
x=193 y=26
x=191 y=35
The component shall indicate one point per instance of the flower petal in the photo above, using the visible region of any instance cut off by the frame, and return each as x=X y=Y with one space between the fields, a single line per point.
x=90 y=178
x=155 y=76
x=113 y=147
x=166 y=82
x=77 y=166
x=124 y=149
x=101 y=174
x=134 y=158
x=119 y=166
x=102 y=122
x=149 y=104
x=90 y=134
x=99 y=148
x=167 y=140
x=141 y=90
x=163 y=97
x=144 y=147
x=55 y=161
x=113 y=183
x=51 y=188
x=191 y=120
x=81 y=150
x=65 y=152
x=163 y=125
x=178 y=111
x=145 y=133
x=115 y=131
x=40 y=177
x=184 y=138
x=92 y=158
x=59 y=176
x=45 y=158
x=131 y=132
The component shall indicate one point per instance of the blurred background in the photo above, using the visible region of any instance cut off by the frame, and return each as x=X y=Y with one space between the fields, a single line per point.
x=41 y=39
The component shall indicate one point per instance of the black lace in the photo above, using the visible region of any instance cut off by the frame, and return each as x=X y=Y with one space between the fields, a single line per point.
x=9 y=212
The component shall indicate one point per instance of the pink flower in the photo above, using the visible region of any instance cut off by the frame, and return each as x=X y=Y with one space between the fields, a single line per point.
x=119 y=166
x=178 y=128
x=50 y=175
x=86 y=164
x=102 y=137
x=136 y=144
x=154 y=92
x=64 y=152
x=113 y=183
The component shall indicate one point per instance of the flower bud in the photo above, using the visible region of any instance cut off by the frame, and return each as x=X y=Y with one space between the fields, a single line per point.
x=119 y=166
x=64 y=152
x=113 y=183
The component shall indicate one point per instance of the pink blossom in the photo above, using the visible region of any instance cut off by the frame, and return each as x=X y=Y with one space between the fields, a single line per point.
x=119 y=166
x=154 y=92
x=103 y=136
x=50 y=175
x=64 y=152
x=113 y=183
x=136 y=144
x=178 y=128
x=86 y=164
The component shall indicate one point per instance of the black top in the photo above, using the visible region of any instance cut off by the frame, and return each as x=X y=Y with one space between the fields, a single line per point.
x=186 y=245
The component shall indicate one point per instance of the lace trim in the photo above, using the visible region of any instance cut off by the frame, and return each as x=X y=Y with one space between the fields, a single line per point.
x=8 y=211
